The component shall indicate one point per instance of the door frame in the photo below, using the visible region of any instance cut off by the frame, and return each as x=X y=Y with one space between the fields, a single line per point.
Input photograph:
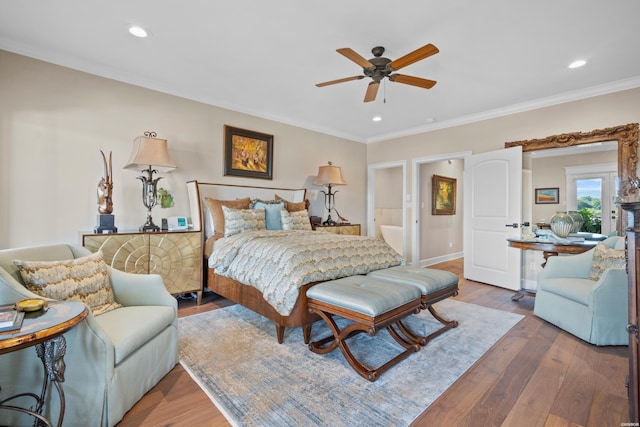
x=608 y=172
x=416 y=163
x=371 y=187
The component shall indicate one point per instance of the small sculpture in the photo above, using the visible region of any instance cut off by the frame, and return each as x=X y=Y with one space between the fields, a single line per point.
x=105 y=187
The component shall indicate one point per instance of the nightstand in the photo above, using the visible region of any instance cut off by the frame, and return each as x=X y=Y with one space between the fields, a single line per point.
x=349 y=229
x=174 y=255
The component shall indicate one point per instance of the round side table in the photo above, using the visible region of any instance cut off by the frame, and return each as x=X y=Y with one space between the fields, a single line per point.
x=44 y=330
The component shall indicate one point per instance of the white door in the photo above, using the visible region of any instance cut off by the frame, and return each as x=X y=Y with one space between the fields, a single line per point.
x=492 y=213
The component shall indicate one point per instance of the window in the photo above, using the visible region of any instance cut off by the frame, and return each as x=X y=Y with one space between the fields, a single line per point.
x=590 y=190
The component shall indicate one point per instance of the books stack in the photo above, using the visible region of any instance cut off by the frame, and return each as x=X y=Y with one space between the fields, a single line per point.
x=10 y=319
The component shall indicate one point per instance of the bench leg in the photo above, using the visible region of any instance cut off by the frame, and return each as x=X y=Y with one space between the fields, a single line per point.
x=423 y=340
x=448 y=324
x=338 y=339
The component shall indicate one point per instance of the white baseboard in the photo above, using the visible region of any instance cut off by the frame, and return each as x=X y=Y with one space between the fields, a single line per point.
x=529 y=285
x=439 y=259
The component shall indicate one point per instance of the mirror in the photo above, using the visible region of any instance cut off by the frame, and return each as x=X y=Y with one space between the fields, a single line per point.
x=627 y=137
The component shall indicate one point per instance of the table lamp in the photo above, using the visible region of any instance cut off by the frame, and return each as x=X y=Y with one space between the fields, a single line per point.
x=329 y=176
x=150 y=154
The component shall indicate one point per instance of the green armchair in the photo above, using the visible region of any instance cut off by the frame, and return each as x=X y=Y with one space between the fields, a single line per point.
x=594 y=311
x=112 y=359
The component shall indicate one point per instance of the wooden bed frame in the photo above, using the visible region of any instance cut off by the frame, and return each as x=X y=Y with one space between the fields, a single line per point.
x=233 y=290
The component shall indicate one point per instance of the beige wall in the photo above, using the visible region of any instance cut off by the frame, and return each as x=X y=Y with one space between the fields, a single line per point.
x=53 y=121
x=487 y=135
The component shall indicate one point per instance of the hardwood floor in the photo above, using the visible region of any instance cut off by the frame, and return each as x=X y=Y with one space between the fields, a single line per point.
x=536 y=375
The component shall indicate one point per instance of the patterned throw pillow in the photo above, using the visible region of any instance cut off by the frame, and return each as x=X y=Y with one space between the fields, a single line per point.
x=84 y=280
x=272 y=210
x=298 y=220
x=605 y=257
x=239 y=220
x=215 y=208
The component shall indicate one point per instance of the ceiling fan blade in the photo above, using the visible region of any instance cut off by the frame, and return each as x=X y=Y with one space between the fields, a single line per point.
x=413 y=81
x=415 y=56
x=355 y=57
x=346 y=79
x=372 y=91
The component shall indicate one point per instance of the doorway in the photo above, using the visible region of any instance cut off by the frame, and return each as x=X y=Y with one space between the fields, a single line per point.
x=434 y=231
x=386 y=203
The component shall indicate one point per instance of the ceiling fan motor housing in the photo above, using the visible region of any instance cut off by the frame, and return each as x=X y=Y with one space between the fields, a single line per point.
x=380 y=69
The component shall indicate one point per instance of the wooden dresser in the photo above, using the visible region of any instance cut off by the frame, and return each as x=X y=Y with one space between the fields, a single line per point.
x=633 y=270
x=174 y=255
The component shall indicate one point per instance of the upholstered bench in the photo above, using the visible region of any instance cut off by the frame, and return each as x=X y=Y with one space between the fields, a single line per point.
x=372 y=305
x=434 y=284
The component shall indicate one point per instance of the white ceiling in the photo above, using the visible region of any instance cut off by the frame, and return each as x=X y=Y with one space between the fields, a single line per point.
x=264 y=57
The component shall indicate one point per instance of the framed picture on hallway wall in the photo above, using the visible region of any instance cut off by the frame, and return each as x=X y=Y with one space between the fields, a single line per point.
x=547 y=196
x=443 y=195
x=248 y=153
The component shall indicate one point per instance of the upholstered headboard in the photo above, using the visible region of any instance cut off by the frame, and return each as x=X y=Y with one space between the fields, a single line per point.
x=198 y=191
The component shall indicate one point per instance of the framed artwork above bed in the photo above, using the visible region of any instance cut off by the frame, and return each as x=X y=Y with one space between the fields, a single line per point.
x=248 y=153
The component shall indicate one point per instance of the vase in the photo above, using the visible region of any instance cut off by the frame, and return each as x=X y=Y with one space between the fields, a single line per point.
x=561 y=224
x=578 y=221
x=526 y=233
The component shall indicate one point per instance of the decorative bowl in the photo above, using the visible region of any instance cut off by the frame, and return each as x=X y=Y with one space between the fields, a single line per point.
x=30 y=304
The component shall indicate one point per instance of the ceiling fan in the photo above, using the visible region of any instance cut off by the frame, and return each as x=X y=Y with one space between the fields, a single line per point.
x=380 y=67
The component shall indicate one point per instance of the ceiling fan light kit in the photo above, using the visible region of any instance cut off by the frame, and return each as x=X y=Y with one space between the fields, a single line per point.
x=379 y=67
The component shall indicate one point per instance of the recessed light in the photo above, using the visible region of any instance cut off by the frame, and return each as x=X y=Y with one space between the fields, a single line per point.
x=377 y=119
x=577 y=64
x=138 y=31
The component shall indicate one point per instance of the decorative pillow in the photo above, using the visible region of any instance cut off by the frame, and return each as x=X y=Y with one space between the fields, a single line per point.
x=239 y=220
x=605 y=257
x=294 y=206
x=215 y=207
x=297 y=220
x=84 y=280
x=272 y=210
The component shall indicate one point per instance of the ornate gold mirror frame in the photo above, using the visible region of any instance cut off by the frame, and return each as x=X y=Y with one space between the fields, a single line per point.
x=627 y=137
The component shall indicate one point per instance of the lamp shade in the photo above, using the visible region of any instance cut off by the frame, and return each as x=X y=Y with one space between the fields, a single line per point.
x=329 y=175
x=150 y=151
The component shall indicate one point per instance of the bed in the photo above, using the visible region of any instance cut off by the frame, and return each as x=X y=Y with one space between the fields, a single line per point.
x=232 y=263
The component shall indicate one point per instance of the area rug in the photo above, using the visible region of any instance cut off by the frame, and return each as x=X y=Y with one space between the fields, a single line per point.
x=233 y=355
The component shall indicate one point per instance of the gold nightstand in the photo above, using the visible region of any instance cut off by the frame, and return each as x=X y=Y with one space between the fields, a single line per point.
x=349 y=229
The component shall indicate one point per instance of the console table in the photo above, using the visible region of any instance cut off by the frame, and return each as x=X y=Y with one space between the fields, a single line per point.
x=43 y=329
x=552 y=247
x=549 y=248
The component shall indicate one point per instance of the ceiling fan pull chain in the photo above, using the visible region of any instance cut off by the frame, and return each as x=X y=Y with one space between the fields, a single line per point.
x=384 y=92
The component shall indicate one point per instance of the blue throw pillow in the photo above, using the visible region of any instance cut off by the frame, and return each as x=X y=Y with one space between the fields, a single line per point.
x=272 y=212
